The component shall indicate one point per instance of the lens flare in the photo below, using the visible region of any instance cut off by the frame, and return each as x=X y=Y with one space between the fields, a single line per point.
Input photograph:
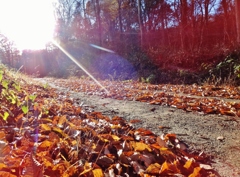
x=80 y=66
x=101 y=48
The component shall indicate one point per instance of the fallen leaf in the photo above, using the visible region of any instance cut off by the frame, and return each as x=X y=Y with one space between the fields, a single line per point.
x=98 y=173
x=140 y=146
x=196 y=172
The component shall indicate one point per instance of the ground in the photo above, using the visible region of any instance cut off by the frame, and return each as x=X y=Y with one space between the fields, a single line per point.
x=214 y=134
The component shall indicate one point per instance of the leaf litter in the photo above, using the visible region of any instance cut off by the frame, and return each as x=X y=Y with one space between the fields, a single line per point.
x=53 y=136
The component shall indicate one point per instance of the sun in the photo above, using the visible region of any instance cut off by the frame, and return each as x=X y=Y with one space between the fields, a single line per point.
x=29 y=23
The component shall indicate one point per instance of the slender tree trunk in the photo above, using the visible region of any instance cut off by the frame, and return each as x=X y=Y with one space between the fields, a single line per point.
x=225 y=6
x=184 y=13
x=120 y=16
x=140 y=22
x=237 y=13
x=99 y=22
x=206 y=6
x=84 y=10
x=193 y=30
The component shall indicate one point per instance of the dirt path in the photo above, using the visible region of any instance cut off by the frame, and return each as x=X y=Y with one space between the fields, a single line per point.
x=216 y=135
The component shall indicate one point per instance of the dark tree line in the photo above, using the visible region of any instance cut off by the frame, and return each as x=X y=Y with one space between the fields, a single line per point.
x=148 y=34
x=180 y=32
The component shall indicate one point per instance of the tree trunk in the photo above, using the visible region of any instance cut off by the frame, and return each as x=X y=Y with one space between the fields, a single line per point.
x=84 y=10
x=99 y=22
x=140 y=22
x=120 y=16
x=184 y=9
x=192 y=26
x=206 y=8
x=237 y=13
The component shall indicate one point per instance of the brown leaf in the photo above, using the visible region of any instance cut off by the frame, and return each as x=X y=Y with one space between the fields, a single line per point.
x=105 y=161
x=137 y=167
x=124 y=160
x=161 y=142
x=134 y=121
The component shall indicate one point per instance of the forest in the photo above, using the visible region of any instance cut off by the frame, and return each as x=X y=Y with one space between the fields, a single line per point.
x=159 y=41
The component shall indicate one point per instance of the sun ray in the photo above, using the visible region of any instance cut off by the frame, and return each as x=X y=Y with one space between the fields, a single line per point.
x=101 y=48
x=79 y=65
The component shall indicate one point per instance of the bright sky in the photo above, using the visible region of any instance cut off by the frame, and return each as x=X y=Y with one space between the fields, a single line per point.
x=29 y=23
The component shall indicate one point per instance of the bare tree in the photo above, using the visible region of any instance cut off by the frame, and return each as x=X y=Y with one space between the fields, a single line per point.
x=8 y=52
x=64 y=12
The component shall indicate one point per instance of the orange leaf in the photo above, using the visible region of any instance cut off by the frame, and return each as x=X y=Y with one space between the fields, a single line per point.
x=169 y=168
x=58 y=130
x=2 y=165
x=144 y=132
x=2 y=135
x=140 y=146
x=61 y=167
x=227 y=112
x=188 y=164
x=47 y=163
x=116 y=138
x=167 y=154
x=170 y=136
x=133 y=121
x=62 y=120
x=45 y=127
x=164 y=167
x=45 y=145
x=156 y=146
x=153 y=169
x=128 y=153
x=19 y=117
x=98 y=173
x=6 y=174
x=195 y=172
x=125 y=137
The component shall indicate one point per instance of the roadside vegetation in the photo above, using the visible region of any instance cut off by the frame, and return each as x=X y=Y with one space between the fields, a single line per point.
x=45 y=133
x=152 y=41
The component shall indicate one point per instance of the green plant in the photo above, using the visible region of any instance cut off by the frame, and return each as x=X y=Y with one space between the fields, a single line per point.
x=45 y=86
x=1 y=75
x=11 y=94
x=25 y=109
x=227 y=71
x=4 y=116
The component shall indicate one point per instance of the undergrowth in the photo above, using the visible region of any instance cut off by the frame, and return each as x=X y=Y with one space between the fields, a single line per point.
x=48 y=134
